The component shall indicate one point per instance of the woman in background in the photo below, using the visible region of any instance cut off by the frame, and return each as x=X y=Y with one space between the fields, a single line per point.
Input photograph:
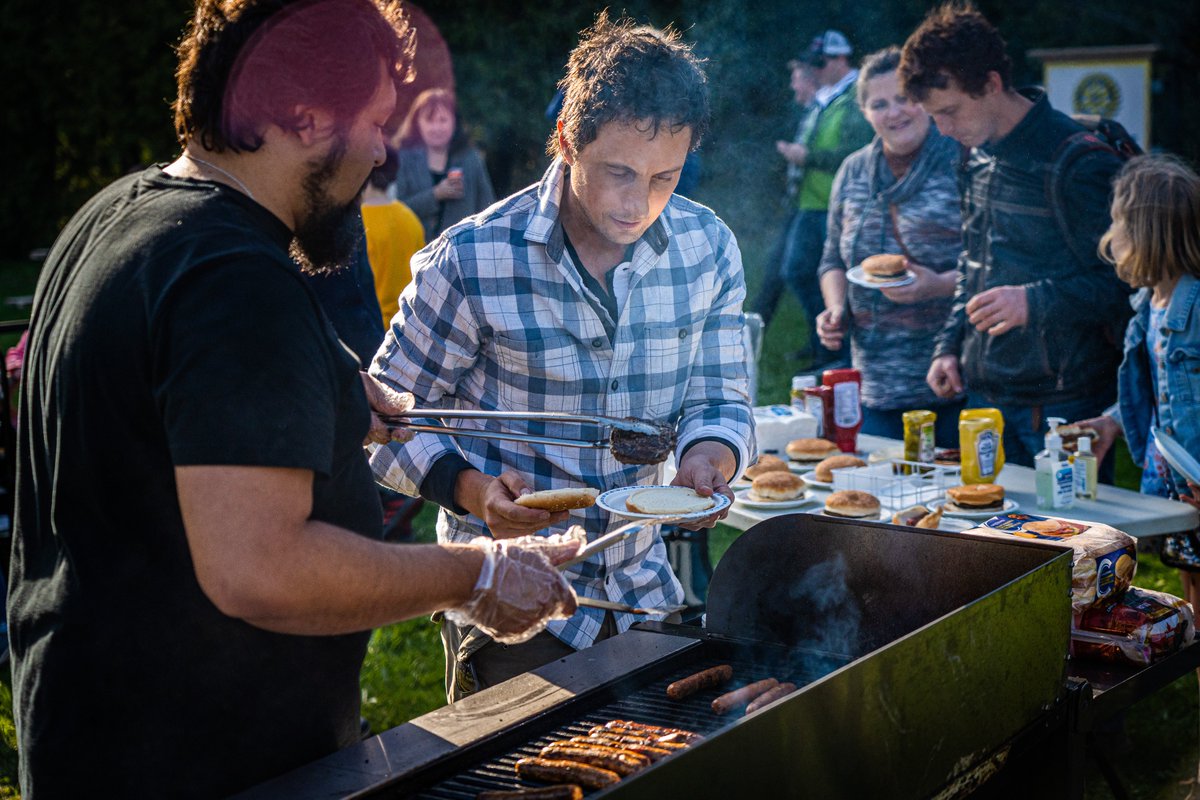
x=441 y=176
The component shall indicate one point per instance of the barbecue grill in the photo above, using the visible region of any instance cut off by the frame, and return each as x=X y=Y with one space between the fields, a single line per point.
x=920 y=656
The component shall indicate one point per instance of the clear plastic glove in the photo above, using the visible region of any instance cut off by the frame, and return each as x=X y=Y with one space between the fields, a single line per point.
x=559 y=548
x=517 y=593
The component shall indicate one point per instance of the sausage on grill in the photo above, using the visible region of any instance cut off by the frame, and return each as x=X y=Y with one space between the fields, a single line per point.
x=563 y=771
x=655 y=732
x=566 y=791
x=707 y=679
x=621 y=762
x=642 y=747
x=635 y=736
x=770 y=696
x=740 y=697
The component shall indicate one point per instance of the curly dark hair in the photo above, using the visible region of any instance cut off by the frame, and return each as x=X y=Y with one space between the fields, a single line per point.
x=954 y=42
x=247 y=64
x=426 y=103
x=624 y=71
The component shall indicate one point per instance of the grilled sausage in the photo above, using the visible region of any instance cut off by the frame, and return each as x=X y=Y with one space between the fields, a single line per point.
x=566 y=791
x=621 y=762
x=654 y=731
x=706 y=679
x=740 y=697
x=770 y=696
x=641 y=747
x=634 y=736
x=563 y=771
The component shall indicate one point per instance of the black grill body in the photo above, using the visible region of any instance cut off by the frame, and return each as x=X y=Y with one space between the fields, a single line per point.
x=919 y=655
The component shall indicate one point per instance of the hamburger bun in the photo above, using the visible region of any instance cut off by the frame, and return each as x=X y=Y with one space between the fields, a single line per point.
x=977 y=496
x=766 y=463
x=852 y=503
x=884 y=267
x=558 y=499
x=668 y=501
x=824 y=471
x=778 y=486
x=918 y=517
x=1070 y=435
x=810 y=449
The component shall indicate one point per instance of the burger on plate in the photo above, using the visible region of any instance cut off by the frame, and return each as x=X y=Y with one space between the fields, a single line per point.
x=824 y=471
x=884 y=267
x=766 y=463
x=810 y=449
x=976 y=497
x=852 y=503
x=777 y=487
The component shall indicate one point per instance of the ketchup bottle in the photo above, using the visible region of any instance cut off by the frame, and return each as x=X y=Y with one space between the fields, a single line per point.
x=846 y=408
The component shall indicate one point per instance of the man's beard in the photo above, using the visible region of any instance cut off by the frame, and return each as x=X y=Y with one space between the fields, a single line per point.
x=328 y=234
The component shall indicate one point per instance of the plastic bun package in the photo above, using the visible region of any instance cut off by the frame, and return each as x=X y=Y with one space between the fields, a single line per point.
x=1104 y=561
x=1139 y=628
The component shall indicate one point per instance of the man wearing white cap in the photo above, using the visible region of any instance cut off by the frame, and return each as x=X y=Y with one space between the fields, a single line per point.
x=840 y=129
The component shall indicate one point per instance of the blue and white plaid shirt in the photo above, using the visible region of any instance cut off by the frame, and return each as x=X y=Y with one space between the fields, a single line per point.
x=498 y=318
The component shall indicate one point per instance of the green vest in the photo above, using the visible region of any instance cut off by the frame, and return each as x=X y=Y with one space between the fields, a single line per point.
x=840 y=130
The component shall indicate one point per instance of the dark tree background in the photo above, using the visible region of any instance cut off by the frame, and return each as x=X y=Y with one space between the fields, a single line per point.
x=87 y=84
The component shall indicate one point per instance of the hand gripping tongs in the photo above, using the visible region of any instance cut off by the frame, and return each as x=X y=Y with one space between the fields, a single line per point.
x=608 y=540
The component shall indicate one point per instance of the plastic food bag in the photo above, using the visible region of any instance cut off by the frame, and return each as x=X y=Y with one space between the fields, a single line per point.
x=1139 y=628
x=1105 y=559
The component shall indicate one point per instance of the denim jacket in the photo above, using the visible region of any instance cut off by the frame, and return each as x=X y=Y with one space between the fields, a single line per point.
x=1180 y=417
x=1068 y=349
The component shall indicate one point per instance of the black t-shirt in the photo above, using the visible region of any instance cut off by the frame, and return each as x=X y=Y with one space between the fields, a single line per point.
x=170 y=328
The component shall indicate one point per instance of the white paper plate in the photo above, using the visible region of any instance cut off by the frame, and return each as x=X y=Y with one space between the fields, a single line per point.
x=1009 y=505
x=793 y=466
x=745 y=498
x=613 y=501
x=1179 y=459
x=816 y=484
x=859 y=278
x=884 y=516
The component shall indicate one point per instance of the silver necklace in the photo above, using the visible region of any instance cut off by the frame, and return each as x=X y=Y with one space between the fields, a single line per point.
x=241 y=185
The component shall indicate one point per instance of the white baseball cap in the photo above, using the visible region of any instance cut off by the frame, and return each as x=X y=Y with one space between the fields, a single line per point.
x=829 y=43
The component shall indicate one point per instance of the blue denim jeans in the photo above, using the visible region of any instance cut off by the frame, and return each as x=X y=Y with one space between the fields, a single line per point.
x=801 y=257
x=1025 y=426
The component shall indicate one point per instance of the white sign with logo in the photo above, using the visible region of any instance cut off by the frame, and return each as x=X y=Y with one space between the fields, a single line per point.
x=1111 y=82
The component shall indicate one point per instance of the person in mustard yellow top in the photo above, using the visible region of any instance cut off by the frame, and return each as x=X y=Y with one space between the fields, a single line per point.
x=394 y=233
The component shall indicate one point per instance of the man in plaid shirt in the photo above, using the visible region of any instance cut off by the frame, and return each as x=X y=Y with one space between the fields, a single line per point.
x=595 y=291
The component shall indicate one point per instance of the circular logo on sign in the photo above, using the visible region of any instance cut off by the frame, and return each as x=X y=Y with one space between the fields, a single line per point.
x=1097 y=94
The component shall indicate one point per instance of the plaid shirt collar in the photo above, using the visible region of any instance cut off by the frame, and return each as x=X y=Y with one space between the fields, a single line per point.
x=545 y=225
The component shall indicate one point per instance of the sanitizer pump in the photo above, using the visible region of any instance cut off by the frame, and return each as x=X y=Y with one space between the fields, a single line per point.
x=1054 y=478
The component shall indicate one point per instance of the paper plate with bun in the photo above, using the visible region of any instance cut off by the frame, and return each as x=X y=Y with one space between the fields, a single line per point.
x=977 y=501
x=823 y=472
x=852 y=503
x=654 y=502
x=811 y=450
x=554 y=500
x=881 y=272
x=766 y=463
x=774 y=490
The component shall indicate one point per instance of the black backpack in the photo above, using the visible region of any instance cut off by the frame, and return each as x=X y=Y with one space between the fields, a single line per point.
x=1100 y=133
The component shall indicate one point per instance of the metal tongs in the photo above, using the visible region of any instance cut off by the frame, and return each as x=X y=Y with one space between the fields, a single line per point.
x=633 y=426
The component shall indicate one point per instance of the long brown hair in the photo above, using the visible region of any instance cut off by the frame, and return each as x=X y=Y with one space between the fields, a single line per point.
x=1156 y=199
x=426 y=103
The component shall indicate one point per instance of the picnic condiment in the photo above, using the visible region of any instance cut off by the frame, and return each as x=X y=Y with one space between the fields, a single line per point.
x=1084 y=467
x=847 y=408
x=918 y=435
x=981 y=440
x=1054 y=478
x=818 y=401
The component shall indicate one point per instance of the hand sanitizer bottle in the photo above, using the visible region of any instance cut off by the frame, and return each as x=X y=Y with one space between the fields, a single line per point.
x=1085 y=470
x=1053 y=477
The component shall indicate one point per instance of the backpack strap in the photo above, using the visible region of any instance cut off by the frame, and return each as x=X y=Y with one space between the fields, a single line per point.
x=1072 y=149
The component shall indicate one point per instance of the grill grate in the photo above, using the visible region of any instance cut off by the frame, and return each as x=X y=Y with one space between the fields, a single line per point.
x=647 y=704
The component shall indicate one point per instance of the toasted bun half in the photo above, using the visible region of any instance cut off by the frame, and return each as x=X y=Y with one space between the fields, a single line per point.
x=774 y=486
x=884 y=267
x=810 y=449
x=977 y=495
x=852 y=503
x=824 y=471
x=766 y=463
x=558 y=499
x=668 y=500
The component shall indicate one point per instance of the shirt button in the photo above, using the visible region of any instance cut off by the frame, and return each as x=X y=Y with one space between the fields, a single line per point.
x=614 y=385
x=682 y=333
x=597 y=343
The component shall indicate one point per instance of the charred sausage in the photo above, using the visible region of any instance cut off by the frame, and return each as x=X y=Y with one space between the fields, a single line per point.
x=567 y=791
x=770 y=696
x=621 y=762
x=740 y=697
x=635 y=736
x=641 y=747
x=709 y=678
x=654 y=731
x=563 y=771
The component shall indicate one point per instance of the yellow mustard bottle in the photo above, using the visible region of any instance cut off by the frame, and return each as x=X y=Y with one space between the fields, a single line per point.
x=918 y=435
x=981 y=440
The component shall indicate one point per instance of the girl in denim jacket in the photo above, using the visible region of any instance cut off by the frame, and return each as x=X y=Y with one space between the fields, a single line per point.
x=1154 y=243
